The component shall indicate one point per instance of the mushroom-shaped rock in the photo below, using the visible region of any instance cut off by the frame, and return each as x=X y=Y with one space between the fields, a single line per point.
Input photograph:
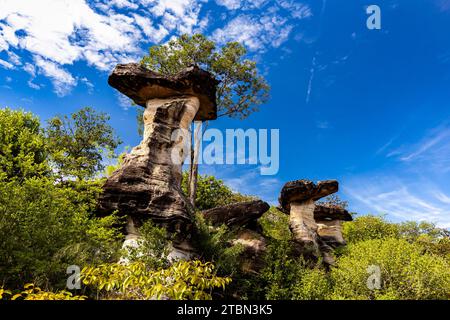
x=329 y=222
x=303 y=190
x=297 y=198
x=236 y=214
x=148 y=183
x=142 y=85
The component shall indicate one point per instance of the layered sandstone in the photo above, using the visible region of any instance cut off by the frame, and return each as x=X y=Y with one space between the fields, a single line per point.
x=148 y=183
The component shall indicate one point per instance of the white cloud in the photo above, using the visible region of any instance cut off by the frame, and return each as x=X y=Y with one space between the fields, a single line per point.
x=123 y=101
x=88 y=84
x=124 y=4
x=58 y=33
x=297 y=9
x=6 y=64
x=241 y=4
x=255 y=33
x=33 y=85
x=62 y=81
x=153 y=34
x=102 y=33
x=428 y=144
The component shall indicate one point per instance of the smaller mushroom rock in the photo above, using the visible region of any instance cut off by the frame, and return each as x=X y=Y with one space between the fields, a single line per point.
x=297 y=198
x=236 y=214
x=302 y=190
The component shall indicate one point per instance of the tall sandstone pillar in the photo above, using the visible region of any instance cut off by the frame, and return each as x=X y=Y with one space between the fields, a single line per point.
x=148 y=183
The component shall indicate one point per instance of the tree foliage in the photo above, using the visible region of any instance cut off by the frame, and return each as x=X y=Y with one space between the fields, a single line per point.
x=407 y=273
x=45 y=227
x=78 y=143
x=241 y=90
x=22 y=145
x=183 y=280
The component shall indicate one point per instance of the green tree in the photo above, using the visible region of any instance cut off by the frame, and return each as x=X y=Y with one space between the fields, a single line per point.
x=369 y=227
x=78 y=143
x=22 y=145
x=240 y=91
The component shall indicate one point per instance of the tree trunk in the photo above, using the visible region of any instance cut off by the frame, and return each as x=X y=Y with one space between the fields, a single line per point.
x=193 y=175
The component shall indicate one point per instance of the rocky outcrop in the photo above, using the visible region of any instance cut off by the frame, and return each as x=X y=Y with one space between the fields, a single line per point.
x=255 y=245
x=236 y=214
x=148 y=183
x=297 y=198
x=243 y=216
x=316 y=228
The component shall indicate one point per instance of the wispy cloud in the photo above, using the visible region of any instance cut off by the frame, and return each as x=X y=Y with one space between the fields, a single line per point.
x=442 y=135
x=400 y=199
x=414 y=185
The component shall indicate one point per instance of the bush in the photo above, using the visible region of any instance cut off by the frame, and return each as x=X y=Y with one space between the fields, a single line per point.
x=369 y=228
x=287 y=276
x=215 y=245
x=154 y=247
x=45 y=227
x=31 y=292
x=406 y=272
x=184 y=280
x=275 y=224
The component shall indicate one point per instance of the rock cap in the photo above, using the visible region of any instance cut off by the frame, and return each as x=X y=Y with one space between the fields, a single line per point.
x=141 y=84
x=303 y=190
x=322 y=213
x=236 y=214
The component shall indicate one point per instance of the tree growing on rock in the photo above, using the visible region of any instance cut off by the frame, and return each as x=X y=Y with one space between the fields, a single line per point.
x=240 y=91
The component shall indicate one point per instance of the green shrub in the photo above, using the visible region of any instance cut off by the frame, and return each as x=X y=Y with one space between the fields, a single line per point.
x=183 y=280
x=406 y=271
x=368 y=228
x=275 y=224
x=154 y=246
x=45 y=227
x=215 y=245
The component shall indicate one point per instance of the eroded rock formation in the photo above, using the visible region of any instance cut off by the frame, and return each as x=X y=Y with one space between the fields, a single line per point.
x=148 y=183
x=316 y=229
x=237 y=214
x=244 y=216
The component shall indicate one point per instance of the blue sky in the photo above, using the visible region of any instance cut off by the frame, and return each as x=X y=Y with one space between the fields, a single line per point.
x=370 y=108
